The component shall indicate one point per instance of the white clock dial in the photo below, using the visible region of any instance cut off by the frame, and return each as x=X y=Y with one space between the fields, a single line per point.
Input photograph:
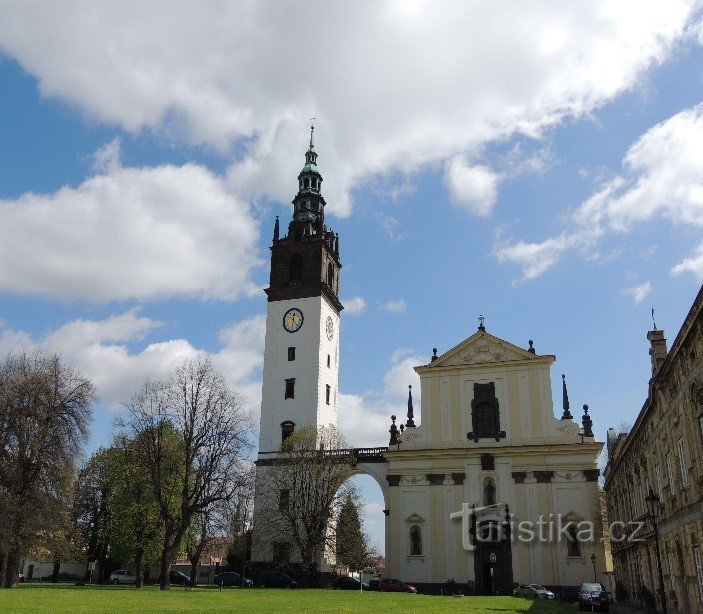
x=293 y=320
x=330 y=328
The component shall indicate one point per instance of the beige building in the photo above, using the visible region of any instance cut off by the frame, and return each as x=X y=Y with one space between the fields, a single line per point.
x=663 y=451
x=489 y=442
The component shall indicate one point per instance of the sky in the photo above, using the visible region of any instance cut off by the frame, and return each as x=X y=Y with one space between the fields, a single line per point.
x=538 y=163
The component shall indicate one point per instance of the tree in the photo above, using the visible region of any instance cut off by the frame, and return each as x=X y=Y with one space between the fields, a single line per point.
x=212 y=429
x=300 y=492
x=352 y=543
x=45 y=409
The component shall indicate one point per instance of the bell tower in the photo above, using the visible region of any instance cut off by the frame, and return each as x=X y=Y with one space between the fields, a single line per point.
x=301 y=357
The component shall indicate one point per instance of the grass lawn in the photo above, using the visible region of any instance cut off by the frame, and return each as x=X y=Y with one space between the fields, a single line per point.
x=121 y=600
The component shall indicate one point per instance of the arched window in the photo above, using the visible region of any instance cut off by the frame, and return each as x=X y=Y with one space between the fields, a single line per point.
x=415 y=541
x=330 y=275
x=307 y=182
x=489 y=492
x=573 y=543
x=488 y=531
x=287 y=429
x=296 y=268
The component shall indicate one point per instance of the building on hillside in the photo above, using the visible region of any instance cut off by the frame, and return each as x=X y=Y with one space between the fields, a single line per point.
x=663 y=451
x=489 y=458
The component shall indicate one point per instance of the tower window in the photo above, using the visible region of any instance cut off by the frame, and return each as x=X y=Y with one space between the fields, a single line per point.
x=573 y=545
x=328 y=361
x=489 y=492
x=415 y=541
x=296 y=268
x=307 y=182
x=291 y=353
x=287 y=429
x=290 y=388
x=330 y=275
x=327 y=394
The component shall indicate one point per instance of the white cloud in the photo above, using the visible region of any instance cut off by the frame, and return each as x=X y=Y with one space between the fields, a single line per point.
x=354 y=306
x=639 y=292
x=662 y=177
x=692 y=264
x=397 y=306
x=130 y=233
x=478 y=77
x=365 y=418
x=474 y=188
x=99 y=348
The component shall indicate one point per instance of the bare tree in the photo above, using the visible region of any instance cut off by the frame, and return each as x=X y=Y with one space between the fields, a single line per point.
x=211 y=429
x=45 y=409
x=300 y=491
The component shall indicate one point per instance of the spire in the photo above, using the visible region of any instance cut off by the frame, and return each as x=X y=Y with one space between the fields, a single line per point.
x=312 y=130
x=587 y=423
x=565 y=400
x=410 y=423
x=276 y=230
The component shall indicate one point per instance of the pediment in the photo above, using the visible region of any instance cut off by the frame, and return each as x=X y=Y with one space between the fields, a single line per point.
x=482 y=348
x=415 y=518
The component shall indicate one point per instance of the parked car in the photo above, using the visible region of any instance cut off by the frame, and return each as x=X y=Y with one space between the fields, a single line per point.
x=395 y=586
x=276 y=579
x=569 y=594
x=533 y=591
x=178 y=577
x=593 y=597
x=346 y=583
x=373 y=584
x=232 y=578
x=123 y=576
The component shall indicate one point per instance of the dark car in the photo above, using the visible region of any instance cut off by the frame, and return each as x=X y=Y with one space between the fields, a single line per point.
x=178 y=577
x=231 y=578
x=349 y=584
x=593 y=598
x=569 y=594
x=276 y=579
x=395 y=586
x=374 y=584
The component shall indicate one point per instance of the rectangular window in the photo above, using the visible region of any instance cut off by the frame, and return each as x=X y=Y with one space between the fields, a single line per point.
x=328 y=361
x=670 y=472
x=660 y=486
x=283 y=499
x=682 y=462
x=290 y=388
x=699 y=570
x=291 y=353
x=327 y=394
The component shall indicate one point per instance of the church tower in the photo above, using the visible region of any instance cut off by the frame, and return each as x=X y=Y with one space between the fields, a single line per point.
x=301 y=357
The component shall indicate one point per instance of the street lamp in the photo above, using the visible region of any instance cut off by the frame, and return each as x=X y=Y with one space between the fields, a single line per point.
x=653 y=507
x=593 y=561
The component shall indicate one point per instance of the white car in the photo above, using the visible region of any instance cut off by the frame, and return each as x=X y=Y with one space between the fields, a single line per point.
x=122 y=576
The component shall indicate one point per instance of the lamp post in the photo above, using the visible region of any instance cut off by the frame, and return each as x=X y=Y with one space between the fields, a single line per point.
x=593 y=561
x=653 y=508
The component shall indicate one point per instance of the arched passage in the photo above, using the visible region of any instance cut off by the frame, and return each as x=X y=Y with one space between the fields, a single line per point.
x=370 y=483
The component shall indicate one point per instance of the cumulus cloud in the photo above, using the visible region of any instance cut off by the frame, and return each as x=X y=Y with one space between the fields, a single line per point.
x=396 y=306
x=693 y=264
x=639 y=292
x=101 y=350
x=478 y=77
x=354 y=306
x=130 y=233
x=662 y=177
x=474 y=188
x=365 y=418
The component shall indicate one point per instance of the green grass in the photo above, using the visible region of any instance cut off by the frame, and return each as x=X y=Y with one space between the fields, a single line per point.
x=122 y=600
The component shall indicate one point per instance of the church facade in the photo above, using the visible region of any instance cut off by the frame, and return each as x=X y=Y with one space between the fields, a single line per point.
x=488 y=464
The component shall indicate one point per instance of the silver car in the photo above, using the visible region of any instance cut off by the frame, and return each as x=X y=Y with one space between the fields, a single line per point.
x=533 y=591
x=122 y=576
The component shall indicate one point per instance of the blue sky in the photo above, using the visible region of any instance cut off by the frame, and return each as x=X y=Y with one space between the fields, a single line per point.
x=542 y=169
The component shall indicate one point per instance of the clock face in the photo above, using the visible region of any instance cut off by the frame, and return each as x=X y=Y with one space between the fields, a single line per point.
x=330 y=328
x=293 y=320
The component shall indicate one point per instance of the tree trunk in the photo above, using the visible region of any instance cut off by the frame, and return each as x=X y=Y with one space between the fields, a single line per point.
x=55 y=572
x=139 y=567
x=12 y=571
x=194 y=572
x=165 y=569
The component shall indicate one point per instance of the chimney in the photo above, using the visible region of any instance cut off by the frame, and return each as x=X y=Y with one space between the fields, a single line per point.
x=658 y=350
